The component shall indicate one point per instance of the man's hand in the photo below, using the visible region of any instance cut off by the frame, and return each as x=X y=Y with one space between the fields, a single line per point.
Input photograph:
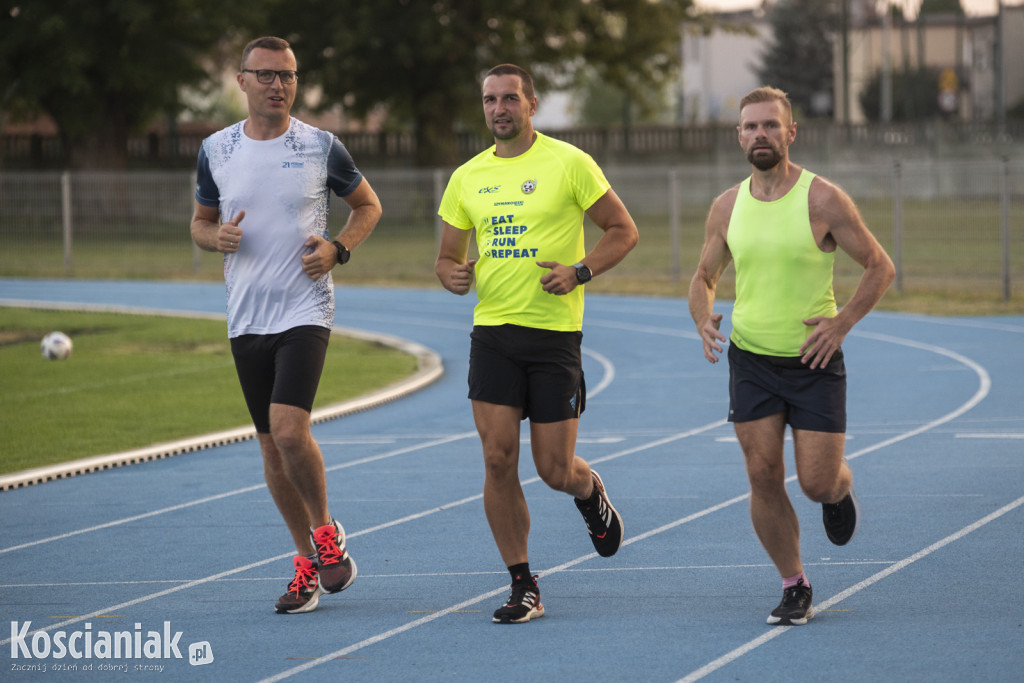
x=710 y=337
x=229 y=235
x=460 y=277
x=560 y=280
x=320 y=257
x=818 y=349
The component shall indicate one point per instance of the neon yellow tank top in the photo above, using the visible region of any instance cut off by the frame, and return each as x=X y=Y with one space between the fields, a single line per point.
x=782 y=277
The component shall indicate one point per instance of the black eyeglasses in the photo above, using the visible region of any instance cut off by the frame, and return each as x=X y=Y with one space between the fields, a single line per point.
x=267 y=76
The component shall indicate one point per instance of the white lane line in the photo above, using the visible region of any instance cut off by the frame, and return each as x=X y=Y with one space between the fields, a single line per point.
x=646 y=329
x=609 y=371
x=420 y=575
x=989 y=324
x=777 y=631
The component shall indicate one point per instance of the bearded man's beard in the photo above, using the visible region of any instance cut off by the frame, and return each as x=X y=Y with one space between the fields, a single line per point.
x=762 y=161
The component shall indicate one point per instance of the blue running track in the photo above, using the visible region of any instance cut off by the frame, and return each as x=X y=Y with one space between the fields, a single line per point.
x=191 y=547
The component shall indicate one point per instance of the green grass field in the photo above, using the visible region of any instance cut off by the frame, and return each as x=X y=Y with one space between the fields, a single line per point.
x=136 y=380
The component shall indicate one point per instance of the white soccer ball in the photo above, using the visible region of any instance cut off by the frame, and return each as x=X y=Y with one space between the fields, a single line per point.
x=56 y=346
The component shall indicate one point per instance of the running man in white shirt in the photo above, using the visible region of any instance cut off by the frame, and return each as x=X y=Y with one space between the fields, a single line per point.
x=262 y=200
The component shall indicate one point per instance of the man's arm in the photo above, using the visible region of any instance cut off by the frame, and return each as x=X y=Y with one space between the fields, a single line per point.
x=833 y=210
x=714 y=258
x=365 y=212
x=451 y=267
x=619 y=238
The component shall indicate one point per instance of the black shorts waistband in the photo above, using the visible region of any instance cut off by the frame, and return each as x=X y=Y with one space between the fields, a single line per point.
x=784 y=362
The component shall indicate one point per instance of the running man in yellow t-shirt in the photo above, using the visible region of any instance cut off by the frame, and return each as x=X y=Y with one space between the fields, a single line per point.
x=781 y=228
x=526 y=197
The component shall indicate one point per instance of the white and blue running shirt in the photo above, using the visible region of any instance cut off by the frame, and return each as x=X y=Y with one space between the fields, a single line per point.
x=283 y=185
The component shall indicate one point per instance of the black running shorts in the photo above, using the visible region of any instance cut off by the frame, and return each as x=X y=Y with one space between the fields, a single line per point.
x=814 y=400
x=538 y=370
x=280 y=368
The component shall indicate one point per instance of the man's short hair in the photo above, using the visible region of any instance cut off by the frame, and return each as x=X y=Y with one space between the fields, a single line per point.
x=768 y=94
x=513 y=70
x=266 y=43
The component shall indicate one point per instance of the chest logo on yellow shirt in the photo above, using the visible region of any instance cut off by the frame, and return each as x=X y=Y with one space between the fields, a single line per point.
x=529 y=186
x=501 y=239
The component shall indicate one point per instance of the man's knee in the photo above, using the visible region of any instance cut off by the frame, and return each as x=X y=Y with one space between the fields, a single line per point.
x=289 y=427
x=555 y=471
x=822 y=489
x=501 y=459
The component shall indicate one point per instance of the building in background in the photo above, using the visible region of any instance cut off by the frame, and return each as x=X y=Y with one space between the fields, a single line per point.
x=980 y=60
x=721 y=67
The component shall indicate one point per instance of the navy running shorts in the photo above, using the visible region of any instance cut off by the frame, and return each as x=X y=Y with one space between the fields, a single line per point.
x=280 y=368
x=538 y=370
x=813 y=400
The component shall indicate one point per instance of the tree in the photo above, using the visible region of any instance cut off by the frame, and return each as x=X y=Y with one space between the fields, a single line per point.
x=423 y=60
x=104 y=69
x=798 y=58
x=919 y=95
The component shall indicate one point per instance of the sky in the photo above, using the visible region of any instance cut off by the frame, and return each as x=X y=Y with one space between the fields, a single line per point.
x=971 y=7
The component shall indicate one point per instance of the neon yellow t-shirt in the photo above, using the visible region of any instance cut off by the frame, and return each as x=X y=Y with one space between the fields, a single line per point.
x=525 y=209
x=782 y=277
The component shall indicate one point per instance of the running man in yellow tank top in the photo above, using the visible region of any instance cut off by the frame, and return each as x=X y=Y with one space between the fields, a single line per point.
x=526 y=197
x=781 y=228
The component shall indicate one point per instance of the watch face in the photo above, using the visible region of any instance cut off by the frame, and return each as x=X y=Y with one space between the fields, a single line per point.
x=583 y=274
x=343 y=253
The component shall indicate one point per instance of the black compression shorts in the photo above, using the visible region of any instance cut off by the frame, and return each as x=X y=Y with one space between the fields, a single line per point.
x=280 y=368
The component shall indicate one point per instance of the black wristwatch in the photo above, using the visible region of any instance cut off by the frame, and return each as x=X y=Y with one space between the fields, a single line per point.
x=583 y=274
x=343 y=253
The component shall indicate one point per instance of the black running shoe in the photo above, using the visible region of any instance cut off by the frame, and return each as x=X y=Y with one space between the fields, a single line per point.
x=841 y=519
x=303 y=592
x=795 y=608
x=522 y=605
x=336 y=567
x=603 y=521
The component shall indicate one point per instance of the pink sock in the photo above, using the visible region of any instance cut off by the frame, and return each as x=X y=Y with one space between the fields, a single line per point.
x=795 y=580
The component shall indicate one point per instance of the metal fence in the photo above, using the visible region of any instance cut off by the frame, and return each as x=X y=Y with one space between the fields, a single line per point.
x=616 y=144
x=950 y=226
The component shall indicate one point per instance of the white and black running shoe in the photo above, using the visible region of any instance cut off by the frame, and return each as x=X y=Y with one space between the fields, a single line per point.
x=603 y=521
x=522 y=605
x=795 y=608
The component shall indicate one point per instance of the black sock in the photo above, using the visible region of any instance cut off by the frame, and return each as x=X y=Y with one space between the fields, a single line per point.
x=521 y=573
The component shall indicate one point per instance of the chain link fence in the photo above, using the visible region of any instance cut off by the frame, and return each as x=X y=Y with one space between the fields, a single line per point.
x=950 y=226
